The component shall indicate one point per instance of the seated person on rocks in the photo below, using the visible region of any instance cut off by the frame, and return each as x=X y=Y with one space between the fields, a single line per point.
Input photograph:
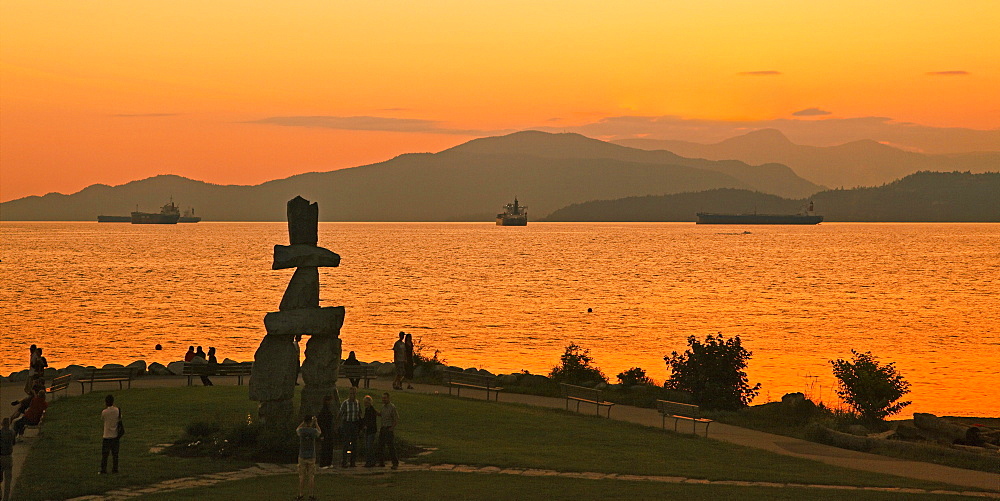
x=33 y=414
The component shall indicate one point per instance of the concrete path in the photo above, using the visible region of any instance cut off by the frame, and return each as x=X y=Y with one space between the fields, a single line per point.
x=264 y=469
x=648 y=417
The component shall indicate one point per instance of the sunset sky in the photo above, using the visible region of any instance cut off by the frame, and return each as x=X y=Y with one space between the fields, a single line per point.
x=240 y=92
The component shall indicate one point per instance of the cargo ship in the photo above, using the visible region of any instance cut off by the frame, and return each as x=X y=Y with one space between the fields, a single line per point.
x=189 y=217
x=169 y=214
x=513 y=215
x=807 y=216
x=114 y=219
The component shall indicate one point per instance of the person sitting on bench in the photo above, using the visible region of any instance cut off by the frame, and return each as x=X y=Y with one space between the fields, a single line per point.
x=33 y=414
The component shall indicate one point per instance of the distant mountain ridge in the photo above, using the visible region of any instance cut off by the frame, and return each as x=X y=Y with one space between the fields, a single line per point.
x=920 y=197
x=469 y=182
x=857 y=163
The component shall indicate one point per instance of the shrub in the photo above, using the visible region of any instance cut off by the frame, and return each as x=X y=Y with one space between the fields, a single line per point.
x=420 y=358
x=575 y=367
x=870 y=388
x=713 y=372
x=634 y=376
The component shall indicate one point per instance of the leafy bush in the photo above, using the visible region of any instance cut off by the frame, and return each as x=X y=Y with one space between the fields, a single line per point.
x=635 y=377
x=870 y=388
x=421 y=358
x=202 y=429
x=713 y=372
x=575 y=367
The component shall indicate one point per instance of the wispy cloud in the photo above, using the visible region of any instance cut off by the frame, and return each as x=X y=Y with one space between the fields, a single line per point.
x=370 y=123
x=142 y=115
x=811 y=112
x=951 y=73
x=764 y=73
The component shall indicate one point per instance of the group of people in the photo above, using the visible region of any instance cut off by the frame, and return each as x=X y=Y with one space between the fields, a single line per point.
x=208 y=358
x=353 y=421
x=28 y=411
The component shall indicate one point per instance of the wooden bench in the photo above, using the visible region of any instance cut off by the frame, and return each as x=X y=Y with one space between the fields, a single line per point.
x=680 y=411
x=362 y=371
x=458 y=380
x=59 y=383
x=582 y=394
x=238 y=369
x=115 y=375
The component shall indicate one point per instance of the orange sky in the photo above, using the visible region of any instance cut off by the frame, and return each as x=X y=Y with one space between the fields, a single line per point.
x=113 y=91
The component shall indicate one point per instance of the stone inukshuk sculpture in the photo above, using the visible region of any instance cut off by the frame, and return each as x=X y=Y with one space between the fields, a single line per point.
x=276 y=362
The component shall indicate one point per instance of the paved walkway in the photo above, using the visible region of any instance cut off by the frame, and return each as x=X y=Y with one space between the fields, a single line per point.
x=263 y=469
x=650 y=417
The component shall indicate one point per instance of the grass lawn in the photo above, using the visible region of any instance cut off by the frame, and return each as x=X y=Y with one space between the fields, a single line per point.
x=65 y=460
x=446 y=485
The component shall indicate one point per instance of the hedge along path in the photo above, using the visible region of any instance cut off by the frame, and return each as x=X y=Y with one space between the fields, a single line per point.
x=266 y=469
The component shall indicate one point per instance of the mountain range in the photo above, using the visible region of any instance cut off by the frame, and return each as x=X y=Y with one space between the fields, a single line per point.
x=469 y=182
x=857 y=163
x=923 y=196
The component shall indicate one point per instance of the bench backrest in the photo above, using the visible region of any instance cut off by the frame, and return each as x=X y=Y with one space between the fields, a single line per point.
x=574 y=391
x=357 y=371
x=112 y=373
x=61 y=382
x=453 y=376
x=233 y=369
x=677 y=408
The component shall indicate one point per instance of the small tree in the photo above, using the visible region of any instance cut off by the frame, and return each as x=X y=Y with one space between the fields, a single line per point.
x=713 y=372
x=869 y=387
x=634 y=376
x=575 y=367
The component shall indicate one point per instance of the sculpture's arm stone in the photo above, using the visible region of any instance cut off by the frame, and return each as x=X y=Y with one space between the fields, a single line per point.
x=303 y=221
x=302 y=291
x=302 y=255
x=310 y=321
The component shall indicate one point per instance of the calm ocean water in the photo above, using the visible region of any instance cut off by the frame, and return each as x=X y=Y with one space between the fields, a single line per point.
x=925 y=296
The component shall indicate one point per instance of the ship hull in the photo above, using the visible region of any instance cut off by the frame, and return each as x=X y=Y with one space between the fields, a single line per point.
x=708 y=218
x=153 y=218
x=189 y=219
x=512 y=221
x=114 y=219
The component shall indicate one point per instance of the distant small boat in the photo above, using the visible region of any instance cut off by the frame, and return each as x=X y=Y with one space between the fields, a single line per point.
x=807 y=216
x=169 y=214
x=513 y=215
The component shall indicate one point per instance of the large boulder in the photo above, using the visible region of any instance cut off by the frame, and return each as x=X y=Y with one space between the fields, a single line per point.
x=508 y=379
x=18 y=376
x=113 y=366
x=77 y=371
x=139 y=366
x=176 y=368
x=385 y=370
x=229 y=361
x=158 y=369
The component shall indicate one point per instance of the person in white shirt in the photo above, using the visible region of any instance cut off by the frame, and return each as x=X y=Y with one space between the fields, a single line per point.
x=111 y=415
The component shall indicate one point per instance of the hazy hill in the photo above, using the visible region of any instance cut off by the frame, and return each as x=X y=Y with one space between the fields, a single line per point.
x=470 y=182
x=858 y=163
x=924 y=196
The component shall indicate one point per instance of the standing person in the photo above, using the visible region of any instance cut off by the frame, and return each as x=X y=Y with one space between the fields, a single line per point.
x=30 y=382
x=6 y=458
x=350 y=419
x=212 y=364
x=308 y=432
x=325 y=422
x=409 y=361
x=189 y=356
x=353 y=360
x=369 y=430
x=399 y=360
x=111 y=442
x=387 y=433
